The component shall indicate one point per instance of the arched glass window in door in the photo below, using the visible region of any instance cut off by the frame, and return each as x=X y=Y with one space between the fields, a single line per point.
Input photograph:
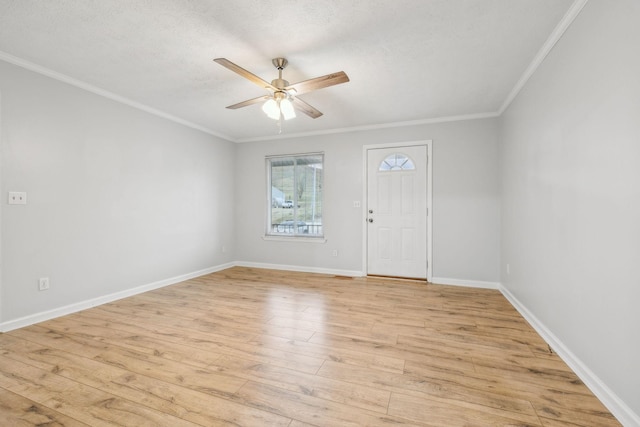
x=396 y=162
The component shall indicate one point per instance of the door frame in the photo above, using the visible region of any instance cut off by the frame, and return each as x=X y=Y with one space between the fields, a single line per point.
x=365 y=182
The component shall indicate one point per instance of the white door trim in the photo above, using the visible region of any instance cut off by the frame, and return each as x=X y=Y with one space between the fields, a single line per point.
x=365 y=148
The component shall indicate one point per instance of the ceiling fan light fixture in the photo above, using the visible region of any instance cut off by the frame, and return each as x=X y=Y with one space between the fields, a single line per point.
x=271 y=109
x=287 y=109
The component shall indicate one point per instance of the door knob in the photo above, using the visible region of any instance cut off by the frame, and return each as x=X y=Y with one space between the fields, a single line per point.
x=370 y=210
x=370 y=219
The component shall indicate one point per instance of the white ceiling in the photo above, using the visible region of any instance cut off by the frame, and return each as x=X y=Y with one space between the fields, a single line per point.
x=408 y=60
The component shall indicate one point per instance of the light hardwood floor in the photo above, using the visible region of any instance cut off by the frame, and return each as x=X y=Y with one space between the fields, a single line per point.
x=260 y=347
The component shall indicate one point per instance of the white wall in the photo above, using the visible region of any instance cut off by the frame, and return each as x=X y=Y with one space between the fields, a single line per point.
x=570 y=155
x=465 y=199
x=117 y=198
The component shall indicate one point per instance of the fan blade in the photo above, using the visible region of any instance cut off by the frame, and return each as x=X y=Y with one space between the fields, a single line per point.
x=244 y=73
x=249 y=102
x=318 y=83
x=303 y=107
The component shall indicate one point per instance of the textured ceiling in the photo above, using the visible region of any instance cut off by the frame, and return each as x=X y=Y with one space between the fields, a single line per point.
x=407 y=60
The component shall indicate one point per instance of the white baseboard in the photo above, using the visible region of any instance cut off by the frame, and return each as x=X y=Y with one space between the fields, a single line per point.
x=462 y=282
x=302 y=269
x=83 y=305
x=617 y=406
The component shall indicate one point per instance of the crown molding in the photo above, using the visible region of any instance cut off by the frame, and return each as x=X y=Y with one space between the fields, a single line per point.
x=546 y=48
x=105 y=93
x=372 y=127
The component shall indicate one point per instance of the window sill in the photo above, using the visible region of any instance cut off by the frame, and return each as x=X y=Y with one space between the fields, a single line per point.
x=294 y=239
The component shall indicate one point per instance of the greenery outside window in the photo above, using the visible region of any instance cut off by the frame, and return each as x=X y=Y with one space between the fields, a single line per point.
x=294 y=185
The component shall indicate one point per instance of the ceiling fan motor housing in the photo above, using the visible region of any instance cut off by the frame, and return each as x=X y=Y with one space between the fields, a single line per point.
x=279 y=83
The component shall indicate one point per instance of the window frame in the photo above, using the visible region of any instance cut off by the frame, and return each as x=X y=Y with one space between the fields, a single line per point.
x=269 y=234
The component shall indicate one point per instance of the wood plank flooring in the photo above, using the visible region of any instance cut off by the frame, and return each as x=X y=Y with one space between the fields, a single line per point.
x=250 y=347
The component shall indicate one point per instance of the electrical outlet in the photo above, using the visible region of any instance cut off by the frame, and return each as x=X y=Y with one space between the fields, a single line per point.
x=17 y=198
x=356 y=203
x=508 y=269
x=334 y=253
x=43 y=283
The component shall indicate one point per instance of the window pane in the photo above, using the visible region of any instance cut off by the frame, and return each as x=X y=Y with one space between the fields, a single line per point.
x=296 y=195
x=396 y=162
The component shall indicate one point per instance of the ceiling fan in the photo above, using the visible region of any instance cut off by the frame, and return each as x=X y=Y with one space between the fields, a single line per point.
x=282 y=98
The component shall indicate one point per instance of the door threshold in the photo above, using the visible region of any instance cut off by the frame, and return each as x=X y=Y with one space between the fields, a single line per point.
x=410 y=279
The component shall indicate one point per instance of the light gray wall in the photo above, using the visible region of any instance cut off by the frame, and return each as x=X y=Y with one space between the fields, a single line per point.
x=117 y=198
x=466 y=202
x=570 y=155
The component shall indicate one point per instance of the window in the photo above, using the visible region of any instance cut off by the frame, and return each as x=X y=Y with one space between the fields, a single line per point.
x=295 y=195
x=395 y=162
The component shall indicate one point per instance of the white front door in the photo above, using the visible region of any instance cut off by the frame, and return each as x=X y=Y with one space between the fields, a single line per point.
x=397 y=211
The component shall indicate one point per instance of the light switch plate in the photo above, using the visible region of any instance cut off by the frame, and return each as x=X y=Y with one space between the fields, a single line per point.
x=17 y=198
